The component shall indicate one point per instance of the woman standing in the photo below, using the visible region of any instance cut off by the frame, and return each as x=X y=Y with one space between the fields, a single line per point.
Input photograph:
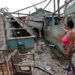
x=68 y=40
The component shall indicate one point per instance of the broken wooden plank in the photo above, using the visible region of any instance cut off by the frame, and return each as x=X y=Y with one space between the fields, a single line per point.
x=43 y=70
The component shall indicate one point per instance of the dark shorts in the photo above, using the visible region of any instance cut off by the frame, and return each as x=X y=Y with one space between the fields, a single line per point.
x=72 y=51
x=73 y=47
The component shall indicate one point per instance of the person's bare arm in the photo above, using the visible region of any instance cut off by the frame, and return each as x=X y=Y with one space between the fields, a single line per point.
x=65 y=30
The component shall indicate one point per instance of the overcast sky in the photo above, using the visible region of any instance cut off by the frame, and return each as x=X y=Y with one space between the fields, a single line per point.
x=14 y=5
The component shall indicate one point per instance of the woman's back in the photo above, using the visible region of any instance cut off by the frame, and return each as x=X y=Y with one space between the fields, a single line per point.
x=72 y=35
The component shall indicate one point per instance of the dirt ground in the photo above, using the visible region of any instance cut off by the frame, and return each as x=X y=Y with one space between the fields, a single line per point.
x=44 y=60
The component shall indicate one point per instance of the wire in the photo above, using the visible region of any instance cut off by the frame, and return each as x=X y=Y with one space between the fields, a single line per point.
x=47 y=4
x=30 y=6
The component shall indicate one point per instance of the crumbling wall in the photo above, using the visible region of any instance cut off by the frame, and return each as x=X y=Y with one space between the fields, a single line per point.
x=2 y=36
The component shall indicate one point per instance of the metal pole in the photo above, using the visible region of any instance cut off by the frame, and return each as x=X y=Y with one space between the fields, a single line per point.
x=18 y=16
x=28 y=18
x=54 y=5
x=63 y=6
x=59 y=10
x=53 y=15
x=18 y=13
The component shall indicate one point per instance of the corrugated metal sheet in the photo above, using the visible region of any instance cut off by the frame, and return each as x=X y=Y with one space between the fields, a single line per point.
x=2 y=36
x=53 y=34
x=69 y=10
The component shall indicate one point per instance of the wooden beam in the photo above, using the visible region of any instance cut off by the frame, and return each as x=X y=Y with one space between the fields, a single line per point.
x=43 y=70
x=16 y=28
x=2 y=50
x=19 y=20
x=12 y=54
x=14 y=38
x=8 y=69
